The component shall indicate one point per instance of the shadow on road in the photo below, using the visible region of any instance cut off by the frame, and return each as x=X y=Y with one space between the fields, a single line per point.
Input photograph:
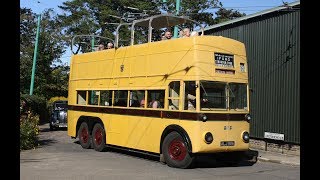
x=129 y=152
x=46 y=142
x=32 y=160
x=201 y=161
x=44 y=139
x=48 y=129
x=227 y=160
x=135 y=154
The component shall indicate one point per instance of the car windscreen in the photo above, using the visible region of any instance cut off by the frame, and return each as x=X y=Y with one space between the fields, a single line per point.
x=61 y=106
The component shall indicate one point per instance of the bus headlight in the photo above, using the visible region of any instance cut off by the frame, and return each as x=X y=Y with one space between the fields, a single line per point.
x=208 y=138
x=203 y=117
x=248 y=117
x=245 y=137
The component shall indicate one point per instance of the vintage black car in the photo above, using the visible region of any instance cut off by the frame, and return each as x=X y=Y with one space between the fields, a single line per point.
x=59 y=115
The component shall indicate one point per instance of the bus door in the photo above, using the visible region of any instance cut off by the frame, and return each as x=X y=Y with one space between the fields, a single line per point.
x=237 y=107
x=213 y=99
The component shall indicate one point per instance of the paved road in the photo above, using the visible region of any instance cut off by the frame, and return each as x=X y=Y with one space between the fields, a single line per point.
x=60 y=157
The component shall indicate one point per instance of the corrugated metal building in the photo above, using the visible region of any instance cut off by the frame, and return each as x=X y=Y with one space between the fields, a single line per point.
x=272 y=39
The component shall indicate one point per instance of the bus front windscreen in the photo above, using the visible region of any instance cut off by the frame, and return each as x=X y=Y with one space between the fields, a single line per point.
x=220 y=95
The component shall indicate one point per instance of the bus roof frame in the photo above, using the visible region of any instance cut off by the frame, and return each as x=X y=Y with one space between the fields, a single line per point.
x=87 y=35
x=160 y=21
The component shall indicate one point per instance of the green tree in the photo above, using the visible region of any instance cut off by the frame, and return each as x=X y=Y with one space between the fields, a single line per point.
x=57 y=82
x=78 y=19
x=27 y=38
x=195 y=9
x=198 y=10
x=92 y=17
x=51 y=46
x=224 y=14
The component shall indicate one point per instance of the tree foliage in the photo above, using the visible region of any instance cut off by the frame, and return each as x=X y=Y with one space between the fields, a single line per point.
x=224 y=14
x=195 y=9
x=27 y=37
x=92 y=17
x=51 y=46
x=206 y=12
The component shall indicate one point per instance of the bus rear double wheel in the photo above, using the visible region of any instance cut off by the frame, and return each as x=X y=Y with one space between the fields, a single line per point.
x=98 y=137
x=175 y=151
x=84 y=136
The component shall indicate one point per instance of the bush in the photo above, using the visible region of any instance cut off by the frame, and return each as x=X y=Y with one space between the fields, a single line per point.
x=38 y=105
x=29 y=131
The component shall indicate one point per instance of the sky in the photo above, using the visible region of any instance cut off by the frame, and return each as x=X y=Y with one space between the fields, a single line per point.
x=243 y=6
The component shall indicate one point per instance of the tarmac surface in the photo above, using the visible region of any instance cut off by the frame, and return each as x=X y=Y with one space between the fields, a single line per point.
x=267 y=156
x=60 y=157
x=260 y=155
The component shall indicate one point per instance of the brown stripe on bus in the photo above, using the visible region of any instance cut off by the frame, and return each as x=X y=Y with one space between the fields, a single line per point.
x=160 y=113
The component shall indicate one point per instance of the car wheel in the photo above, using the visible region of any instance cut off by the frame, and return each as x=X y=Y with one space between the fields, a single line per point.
x=98 y=137
x=84 y=136
x=51 y=127
x=175 y=151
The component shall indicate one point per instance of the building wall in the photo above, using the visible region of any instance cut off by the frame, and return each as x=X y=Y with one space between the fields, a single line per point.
x=273 y=52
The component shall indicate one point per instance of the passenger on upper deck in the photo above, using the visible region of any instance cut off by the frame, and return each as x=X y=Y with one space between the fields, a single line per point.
x=167 y=35
x=100 y=47
x=109 y=45
x=194 y=33
x=186 y=32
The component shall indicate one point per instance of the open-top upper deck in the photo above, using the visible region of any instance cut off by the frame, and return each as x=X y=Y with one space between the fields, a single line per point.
x=155 y=23
x=184 y=58
x=156 y=63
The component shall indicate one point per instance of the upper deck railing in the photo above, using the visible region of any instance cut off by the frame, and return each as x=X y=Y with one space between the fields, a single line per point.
x=89 y=36
x=155 y=22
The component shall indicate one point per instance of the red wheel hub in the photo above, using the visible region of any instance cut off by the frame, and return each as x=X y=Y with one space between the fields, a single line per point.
x=98 y=136
x=177 y=150
x=84 y=135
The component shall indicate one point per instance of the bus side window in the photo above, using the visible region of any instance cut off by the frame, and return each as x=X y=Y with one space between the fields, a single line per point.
x=82 y=97
x=190 y=95
x=174 y=95
x=120 y=98
x=173 y=106
x=93 y=97
x=155 y=99
x=136 y=97
x=105 y=98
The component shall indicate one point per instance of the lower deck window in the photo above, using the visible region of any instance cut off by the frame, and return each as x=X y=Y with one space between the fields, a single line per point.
x=121 y=98
x=82 y=97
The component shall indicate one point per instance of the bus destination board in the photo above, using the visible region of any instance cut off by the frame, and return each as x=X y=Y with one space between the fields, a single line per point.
x=224 y=60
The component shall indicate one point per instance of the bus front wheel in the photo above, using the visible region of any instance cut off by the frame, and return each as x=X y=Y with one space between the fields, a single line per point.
x=175 y=151
x=98 y=137
x=84 y=136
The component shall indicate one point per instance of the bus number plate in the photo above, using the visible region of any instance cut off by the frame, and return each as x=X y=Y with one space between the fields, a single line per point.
x=227 y=143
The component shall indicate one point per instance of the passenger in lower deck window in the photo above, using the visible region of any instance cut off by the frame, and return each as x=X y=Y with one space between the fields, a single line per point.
x=154 y=104
x=142 y=103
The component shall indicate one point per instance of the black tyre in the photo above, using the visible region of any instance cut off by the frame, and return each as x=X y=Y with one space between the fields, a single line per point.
x=98 y=137
x=175 y=151
x=84 y=136
x=51 y=127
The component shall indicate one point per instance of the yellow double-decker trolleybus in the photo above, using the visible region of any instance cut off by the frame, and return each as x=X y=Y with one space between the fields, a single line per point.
x=174 y=98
